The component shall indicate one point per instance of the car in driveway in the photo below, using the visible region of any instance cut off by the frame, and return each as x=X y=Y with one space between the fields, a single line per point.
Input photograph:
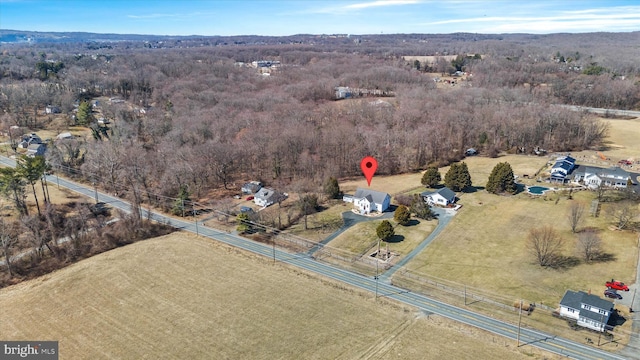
x=617 y=285
x=249 y=198
x=612 y=294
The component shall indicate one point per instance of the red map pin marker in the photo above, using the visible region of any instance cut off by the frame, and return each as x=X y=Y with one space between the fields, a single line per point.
x=369 y=165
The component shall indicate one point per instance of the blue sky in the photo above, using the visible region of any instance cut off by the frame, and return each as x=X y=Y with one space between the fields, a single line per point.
x=262 y=17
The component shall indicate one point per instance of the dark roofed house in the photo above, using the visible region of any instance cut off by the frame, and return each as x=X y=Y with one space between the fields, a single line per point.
x=443 y=197
x=588 y=310
x=36 y=150
x=251 y=187
x=29 y=140
x=562 y=167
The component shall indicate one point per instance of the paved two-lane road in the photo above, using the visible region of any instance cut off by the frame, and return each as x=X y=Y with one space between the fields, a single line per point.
x=527 y=336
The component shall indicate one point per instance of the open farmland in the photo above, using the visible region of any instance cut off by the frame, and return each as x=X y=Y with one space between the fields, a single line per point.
x=180 y=296
x=484 y=246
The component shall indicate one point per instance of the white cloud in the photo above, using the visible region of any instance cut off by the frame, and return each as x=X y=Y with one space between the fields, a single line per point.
x=622 y=18
x=380 y=3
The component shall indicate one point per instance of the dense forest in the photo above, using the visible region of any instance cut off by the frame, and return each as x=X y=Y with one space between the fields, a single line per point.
x=197 y=115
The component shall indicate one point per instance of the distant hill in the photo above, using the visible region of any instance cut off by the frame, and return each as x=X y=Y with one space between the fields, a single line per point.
x=21 y=36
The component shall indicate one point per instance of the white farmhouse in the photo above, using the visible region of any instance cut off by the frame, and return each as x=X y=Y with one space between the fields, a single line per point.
x=365 y=201
x=443 y=197
x=267 y=196
x=593 y=177
x=588 y=310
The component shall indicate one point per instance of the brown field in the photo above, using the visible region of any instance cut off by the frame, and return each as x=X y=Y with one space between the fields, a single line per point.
x=183 y=297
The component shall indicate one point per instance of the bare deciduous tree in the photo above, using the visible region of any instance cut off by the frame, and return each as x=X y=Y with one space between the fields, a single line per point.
x=8 y=239
x=545 y=245
x=575 y=216
x=589 y=245
x=623 y=213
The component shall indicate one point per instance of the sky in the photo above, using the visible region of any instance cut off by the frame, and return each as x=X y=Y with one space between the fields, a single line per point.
x=288 y=17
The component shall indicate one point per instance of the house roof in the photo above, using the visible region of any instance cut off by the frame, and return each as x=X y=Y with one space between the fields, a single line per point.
x=266 y=193
x=36 y=146
x=371 y=195
x=566 y=158
x=445 y=192
x=575 y=299
x=562 y=165
x=572 y=299
x=612 y=172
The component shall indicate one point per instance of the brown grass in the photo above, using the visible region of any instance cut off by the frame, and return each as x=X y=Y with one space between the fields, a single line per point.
x=179 y=296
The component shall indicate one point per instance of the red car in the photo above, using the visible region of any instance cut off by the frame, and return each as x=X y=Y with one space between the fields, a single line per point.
x=617 y=285
x=249 y=198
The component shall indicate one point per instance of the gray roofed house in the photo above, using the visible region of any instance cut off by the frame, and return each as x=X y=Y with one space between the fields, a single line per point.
x=443 y=197
x=365 y=200
x=36 y=150
x=588 y=310
x=28 y=140
x=593 y=177
x=267 y=196
x=251 y=187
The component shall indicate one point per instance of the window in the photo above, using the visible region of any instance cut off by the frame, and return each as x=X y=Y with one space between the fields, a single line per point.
x=571 y=310
x=603 y=312
x=586 y=307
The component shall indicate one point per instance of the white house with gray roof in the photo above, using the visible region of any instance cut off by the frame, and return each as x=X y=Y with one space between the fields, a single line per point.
x=267 y=196
x=593 y=177
x=588 y=310
x=442 y=197
x=365 y=201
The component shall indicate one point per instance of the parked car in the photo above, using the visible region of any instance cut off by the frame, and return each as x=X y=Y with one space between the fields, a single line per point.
x=612 y=294
x=617 y=285
x=245 y=209
x=249 y=198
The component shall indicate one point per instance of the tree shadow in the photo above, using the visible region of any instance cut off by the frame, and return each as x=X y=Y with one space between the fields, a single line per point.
x=412 y=222
x=565 y=262
x=604 y=257
x=391 y=208
x=472 y=189
x=395 y=239
x=520 y=188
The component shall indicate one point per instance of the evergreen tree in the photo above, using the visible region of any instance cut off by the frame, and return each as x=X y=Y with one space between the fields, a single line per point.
x=420 y=208
x=243 y=223
x=84 y=115
x=501 y=179
x=458 y=177
x=385 y=230
x=402 y=215
x=431 y=177
x=332 y=189
x=178 y=204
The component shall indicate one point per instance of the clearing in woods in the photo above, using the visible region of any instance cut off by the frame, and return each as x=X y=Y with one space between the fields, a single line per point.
x=180 y=296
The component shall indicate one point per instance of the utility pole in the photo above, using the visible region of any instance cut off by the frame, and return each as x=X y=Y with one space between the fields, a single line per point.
x=601 y=330
x=519 y=322
x=465 y=295
x=376 y=277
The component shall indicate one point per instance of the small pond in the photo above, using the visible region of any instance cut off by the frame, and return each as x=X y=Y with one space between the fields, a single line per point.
x=537 y=190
